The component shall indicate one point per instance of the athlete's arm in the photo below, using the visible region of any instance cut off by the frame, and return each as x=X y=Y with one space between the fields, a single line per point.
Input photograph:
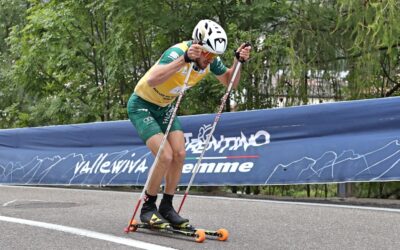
x=224 y=78
x=244 y=52
x=161 y=72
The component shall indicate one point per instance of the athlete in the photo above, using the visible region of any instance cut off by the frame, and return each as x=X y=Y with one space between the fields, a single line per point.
x=151 y=105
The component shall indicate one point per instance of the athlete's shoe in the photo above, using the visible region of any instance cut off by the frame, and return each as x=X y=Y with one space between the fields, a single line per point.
x=150 y=215
x=169 y=213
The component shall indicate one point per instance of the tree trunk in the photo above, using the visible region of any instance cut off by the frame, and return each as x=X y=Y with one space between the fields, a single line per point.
x=381 y=186
x=326 y=190
x=369 y=190
x=248 y=190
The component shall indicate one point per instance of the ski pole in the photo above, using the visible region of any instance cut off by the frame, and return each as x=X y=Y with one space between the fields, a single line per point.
x=217 y=117
x=161 y=145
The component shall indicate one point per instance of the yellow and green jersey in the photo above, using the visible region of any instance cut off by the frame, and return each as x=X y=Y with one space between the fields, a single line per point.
x=165 y=93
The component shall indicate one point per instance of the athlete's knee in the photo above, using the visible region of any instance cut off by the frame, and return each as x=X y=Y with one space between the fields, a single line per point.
x=179 y=155
x=166 y=158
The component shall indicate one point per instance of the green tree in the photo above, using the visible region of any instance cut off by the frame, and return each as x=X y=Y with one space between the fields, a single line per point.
x=78 y=61
x=373 y=28
x=12 y=13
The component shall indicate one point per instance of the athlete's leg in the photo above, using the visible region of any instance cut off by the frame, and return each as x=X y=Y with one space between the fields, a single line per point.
x=173 y=175
x=163 y=164
x=177 y=142
x=146 y=119
x=149 y=212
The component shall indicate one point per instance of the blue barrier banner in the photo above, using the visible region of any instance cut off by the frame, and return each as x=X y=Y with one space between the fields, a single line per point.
x=324 y=143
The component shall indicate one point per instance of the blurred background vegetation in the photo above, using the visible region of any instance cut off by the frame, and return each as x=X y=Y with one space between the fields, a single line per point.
x=76 y=61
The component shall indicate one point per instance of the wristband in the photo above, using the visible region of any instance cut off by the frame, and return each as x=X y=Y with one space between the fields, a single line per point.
x=237 y=54
x=187 y=58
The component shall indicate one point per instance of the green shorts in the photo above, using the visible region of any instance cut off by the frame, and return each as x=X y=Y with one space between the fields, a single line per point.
x=150 y=119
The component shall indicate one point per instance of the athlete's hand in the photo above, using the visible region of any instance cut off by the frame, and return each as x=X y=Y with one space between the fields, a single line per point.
x=194 y=51
x=243 y=52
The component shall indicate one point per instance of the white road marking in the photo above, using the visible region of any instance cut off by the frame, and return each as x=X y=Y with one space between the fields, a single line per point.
x=11 y=202
x=87 y=233
x=8 y=203
x=304 y=203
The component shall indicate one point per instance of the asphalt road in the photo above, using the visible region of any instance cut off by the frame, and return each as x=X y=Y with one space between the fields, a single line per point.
x=55 y=218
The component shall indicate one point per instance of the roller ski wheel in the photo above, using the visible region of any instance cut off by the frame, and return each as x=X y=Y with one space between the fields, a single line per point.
x=222 y=234
x=132 y=227
x=199 y=235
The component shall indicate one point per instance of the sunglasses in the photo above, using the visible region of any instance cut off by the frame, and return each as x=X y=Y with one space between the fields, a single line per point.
x=208 y=55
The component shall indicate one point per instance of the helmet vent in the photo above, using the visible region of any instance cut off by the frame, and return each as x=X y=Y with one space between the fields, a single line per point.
x=209 y=44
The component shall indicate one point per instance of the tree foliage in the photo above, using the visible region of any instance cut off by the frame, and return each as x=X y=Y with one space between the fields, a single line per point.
x=373 y=29
x=74 y=61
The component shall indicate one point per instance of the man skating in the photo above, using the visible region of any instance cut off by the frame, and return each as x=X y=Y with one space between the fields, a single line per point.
x=150 y=108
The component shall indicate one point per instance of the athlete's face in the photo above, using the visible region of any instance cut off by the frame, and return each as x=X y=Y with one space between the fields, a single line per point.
x=205 y=59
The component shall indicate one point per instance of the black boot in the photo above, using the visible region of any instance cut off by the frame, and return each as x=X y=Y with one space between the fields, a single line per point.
x=168 y=212
x=149 y=213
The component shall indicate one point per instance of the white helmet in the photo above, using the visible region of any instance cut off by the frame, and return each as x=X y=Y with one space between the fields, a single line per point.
x=212 y=35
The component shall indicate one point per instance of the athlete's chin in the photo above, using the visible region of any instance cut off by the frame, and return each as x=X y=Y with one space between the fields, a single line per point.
x=202 y=66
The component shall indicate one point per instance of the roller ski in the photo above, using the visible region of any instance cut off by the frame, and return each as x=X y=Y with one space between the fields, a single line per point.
x=155 y=222
x=198 y=235
x=179 y=223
